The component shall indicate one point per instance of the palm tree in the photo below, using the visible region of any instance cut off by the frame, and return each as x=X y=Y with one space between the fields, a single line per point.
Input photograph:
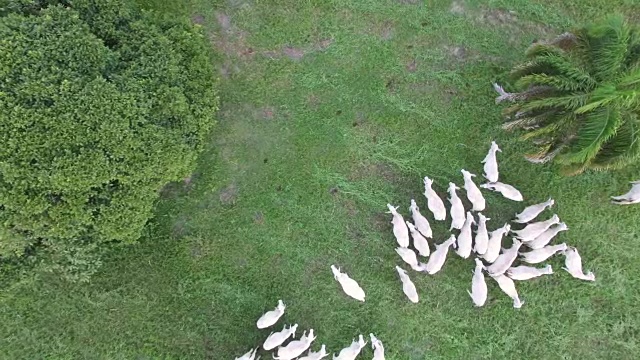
x=579 y=98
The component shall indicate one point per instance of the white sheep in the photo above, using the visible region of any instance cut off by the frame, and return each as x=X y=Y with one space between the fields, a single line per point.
x=296 y=347
x=316 y=355
x=351 y=351
x=545 y=238
x=478 y=291
x=465 y=240
x=509 y=287
x=531 y=212
x=495 y=243
x=422 y=224
x=276 y=339
x=482 y=236
x=438 y=257
x=408 y=287
x=631 y=197
x=378 y=348
x=349 y=286
x=523 y=272
x=457 y=208
x=504 y=260
x=506 y=190
x=251 y=355
x=419 y=241
x=473 y=192
x=533 y=230
x=573 y=265
x=400 y=230
x=491 y=163
x=434 y=203
x=271 y=317
x=539 y=255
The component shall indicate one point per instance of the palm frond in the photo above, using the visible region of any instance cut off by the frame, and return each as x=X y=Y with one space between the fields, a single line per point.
x=622 y=149
x=559 y=82
x=596 y=128
x=608 y=45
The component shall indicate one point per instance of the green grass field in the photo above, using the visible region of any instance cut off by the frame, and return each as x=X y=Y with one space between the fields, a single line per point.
x=330 y=109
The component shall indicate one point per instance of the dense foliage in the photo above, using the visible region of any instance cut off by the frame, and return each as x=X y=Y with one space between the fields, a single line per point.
x=100 y=106
x=579 y=97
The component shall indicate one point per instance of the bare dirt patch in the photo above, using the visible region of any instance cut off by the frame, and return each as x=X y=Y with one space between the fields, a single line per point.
x=258 y=218
x=499 y=17
x=223 y=20
x=293 y=53
x=412 y=66
x=229 y=195
x=409 y=2
x=457 y=7
x=197 y=19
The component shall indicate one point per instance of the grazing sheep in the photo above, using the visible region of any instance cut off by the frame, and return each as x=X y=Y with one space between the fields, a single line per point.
x=509 y=287
x=523 y=272
x=422 y=224
x=482 y=236
x=349 y=286
x=378 y=348
x=409 y=256
x=438 y=257
x=271 y=317
x=251 y=355
x=473 y=192
x=351 y=351
x=504 y=261
x=296 y=347
x=506 y=190
x=531 y=212
x=545 y=238
x=495 y=243
x=276 y=339
x=539 y=255
x=419 y=241
x=478 y=291
x=465 y=240
x=491 y=163
x=408 y=287
x=533 y=230
x=457 y=209
x=631 y=197
x=316 y=355
x=434 y=203
x=400 y=230
x=573 y=265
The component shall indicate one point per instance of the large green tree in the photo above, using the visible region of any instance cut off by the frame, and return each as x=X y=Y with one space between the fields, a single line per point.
x=100 y=106
x=579 y=97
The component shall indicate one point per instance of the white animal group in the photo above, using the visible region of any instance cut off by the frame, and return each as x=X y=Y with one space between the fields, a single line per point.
x=296 y=348
x=486 y=247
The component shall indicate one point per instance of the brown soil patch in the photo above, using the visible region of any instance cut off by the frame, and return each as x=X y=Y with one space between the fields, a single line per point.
x=229 y=194
x=293 y=53
x=197 y=19
x=412 y=66
x=223 y=20
x=499 y=17
x=258 y=217
x=457 y=7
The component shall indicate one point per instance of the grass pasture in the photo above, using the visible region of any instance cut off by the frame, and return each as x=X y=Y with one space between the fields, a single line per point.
x=331 y=109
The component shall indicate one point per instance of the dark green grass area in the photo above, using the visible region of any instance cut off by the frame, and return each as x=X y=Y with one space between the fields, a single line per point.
x=331 y=109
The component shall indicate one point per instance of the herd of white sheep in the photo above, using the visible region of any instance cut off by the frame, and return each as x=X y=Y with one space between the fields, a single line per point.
x=296 y=348
x=485 y=246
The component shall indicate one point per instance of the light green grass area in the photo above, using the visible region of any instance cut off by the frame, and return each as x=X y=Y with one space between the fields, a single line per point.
x=330 y=109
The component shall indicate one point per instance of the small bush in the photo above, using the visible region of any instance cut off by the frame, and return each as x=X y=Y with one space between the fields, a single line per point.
x=100 y=106
x=579 y=97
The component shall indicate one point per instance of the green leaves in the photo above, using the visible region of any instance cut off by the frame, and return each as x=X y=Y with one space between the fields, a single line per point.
x=100 y=106
x=587 y=117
